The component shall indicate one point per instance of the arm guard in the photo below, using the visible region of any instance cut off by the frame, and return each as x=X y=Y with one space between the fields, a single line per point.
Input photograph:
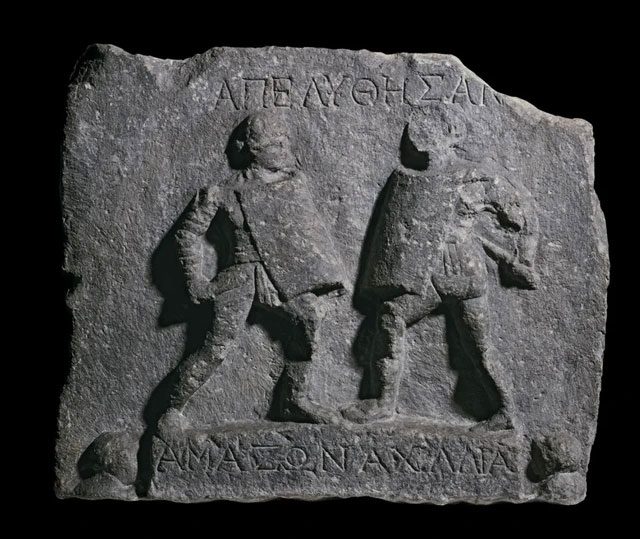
x=189 y=236
x=515 y=208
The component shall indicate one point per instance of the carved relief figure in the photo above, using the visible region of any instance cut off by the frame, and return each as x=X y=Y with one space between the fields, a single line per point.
x=438 y=220
x=278 y=258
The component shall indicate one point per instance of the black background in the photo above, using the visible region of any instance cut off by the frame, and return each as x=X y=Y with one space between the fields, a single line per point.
x=561 y=65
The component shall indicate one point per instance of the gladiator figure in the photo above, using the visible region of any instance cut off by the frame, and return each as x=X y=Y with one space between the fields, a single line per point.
x=278 y=257
x=440 y=217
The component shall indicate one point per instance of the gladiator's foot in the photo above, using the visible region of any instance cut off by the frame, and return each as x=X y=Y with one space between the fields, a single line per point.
x=316 y=413
x=368 y=410
x=498 y=421
x=172 y=421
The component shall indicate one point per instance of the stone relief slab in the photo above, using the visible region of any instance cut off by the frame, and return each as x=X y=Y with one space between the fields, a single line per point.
x=318 y=273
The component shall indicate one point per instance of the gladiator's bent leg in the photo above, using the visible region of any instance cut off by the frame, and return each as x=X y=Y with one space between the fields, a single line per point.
x=230 y=310
x=472 y=326
x=307 y=312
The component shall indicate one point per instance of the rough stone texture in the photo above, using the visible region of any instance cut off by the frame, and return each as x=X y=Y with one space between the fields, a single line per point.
x=326 y=273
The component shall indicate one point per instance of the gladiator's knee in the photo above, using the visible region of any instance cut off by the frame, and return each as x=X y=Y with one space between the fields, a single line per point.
x=307 y=312
x=410 y=308
x=305 y=307
x=475 y=311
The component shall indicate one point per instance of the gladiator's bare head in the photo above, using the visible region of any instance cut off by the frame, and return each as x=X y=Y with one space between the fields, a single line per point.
x=431 y=133
x=267 y=141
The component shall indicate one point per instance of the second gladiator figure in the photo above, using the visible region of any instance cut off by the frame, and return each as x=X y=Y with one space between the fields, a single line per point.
x=439 y=218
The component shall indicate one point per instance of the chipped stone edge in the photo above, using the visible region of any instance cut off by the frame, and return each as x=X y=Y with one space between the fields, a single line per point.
x=521 y=106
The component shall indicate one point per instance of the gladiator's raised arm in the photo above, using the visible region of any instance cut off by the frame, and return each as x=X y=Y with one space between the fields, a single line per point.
x=189 y=236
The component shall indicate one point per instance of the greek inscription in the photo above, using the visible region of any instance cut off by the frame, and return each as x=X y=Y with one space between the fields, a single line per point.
x=167 y=458
x=373 y=462
x=225 y=99
x=333 y=90
x=433 y=87
x=394 y=92
x=402 y=460
x=325 y=91
x=500 y=464
x=365 y=92
x=438 y=459
x=255 y=92
x=333 y=459
x=229 y=461
x=198 y=457
x=282 y=91
x=265 y=457
x=295 y=458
